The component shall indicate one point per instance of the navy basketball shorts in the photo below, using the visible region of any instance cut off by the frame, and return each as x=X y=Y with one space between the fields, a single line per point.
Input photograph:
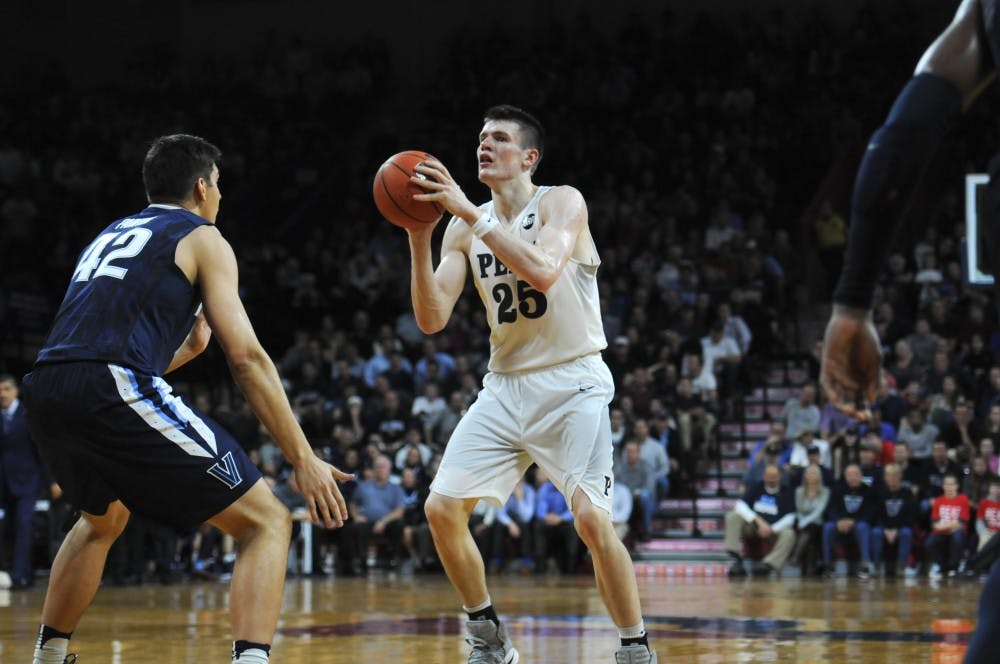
x=110 y=433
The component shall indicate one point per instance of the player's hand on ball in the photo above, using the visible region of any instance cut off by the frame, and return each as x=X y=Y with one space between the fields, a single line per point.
x=852 y=360
x=317 y=481
x=442 y=189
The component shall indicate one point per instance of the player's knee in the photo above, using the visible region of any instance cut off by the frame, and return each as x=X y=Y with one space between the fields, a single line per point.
x=592 y=524
x=111 y=524
x=442 y=511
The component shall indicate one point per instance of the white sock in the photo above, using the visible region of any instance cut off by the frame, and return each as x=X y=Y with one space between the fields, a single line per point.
x=53 y=652
x=251 y=656
x=634 y=632
x=478 y=607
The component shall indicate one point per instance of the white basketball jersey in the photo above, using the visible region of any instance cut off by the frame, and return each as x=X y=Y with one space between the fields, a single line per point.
x=531 y=330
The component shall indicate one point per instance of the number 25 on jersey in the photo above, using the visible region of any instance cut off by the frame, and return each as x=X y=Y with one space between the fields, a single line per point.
x=124 y=245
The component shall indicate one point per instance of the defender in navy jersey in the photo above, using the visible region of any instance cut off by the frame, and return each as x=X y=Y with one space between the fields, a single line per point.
x=951 y=74
x=145 y=297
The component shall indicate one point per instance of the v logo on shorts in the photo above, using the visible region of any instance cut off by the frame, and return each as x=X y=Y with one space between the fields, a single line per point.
x=228 y=473
x=587 y=388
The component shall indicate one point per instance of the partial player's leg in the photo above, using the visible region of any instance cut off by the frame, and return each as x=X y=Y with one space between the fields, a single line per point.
x=482 y=461
x=950 y=75
x=76 y=574
x=449 y=521
x=263 y=528
x=985 y=641
x=612 y=564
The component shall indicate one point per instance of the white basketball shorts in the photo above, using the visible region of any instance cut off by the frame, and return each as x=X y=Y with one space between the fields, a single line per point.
x=556 y=417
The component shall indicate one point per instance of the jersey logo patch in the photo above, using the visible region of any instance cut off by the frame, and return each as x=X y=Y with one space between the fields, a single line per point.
x=227 y=473
x=528 y=222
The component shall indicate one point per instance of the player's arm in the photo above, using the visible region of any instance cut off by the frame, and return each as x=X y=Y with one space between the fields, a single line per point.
x=194 y=345
x=563 y=213
x=208 y=260
x=435 y=292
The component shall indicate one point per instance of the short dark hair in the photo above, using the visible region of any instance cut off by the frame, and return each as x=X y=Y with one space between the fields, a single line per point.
x=174 y=163
x=532 y=132
x=8 y=378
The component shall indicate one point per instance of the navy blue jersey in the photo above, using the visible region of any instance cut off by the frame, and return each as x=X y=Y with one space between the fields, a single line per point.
x=128 y=303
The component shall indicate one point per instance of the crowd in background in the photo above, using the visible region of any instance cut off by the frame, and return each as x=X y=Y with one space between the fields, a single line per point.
x=695 y=177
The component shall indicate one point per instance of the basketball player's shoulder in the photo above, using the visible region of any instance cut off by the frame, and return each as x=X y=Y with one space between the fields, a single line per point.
x=562 y=200
x=561 y=194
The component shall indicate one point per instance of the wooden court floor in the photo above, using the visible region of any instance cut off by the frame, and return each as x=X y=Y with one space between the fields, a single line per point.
x=403 y=619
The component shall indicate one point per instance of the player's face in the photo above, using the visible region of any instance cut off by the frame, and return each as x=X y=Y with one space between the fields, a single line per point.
x=500 y=154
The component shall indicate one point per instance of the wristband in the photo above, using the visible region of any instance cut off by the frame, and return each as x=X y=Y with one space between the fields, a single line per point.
x=483 y=225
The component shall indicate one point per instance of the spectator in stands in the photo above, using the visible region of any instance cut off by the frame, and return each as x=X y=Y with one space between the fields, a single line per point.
x=919 y=436
x=554 y=529
x=987 y=526
x=961 y=432
x=449 y=419
x=429 y=407
x=912 y=475
x=770 y=455
x=811 y=499
x=694 y=421
x=801 y=413
x=849 y=518
x=976 y=484
x=417 y=541
x=871 y=472
x=512 y=530
x=906 y=367
x=986 y=450
x=634 y=472
x=949 y=518
x=813 y=457
x=940 y=466
x=808 y=442
x=703 y=383
x=766 y=511
x=619 y=428
x=655 y=456
x=22 y=480
x=889 y=405
x=411 y=443
x=895 y=516
x=833 y=421
x=721 y=357
x=988 y=514
x=846 y=450
x=377 y=509
x=776 y=436
x=734 y=327
x=621 y=510
x=923 y=342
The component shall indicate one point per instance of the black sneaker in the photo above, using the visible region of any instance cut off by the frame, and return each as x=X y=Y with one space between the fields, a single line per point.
x=70 y=659
x=737 y=571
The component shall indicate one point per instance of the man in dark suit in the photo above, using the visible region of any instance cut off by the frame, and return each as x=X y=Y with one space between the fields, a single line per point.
x=21 y=476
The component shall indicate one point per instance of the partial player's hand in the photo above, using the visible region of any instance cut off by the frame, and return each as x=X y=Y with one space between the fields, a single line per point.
x=852 y=359
x=317 y=482
x=442 y=188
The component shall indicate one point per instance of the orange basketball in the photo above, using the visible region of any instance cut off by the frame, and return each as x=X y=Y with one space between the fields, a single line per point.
x=394 y=192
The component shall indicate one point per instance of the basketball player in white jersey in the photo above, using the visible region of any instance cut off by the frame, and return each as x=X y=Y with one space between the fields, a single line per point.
x=545 y=398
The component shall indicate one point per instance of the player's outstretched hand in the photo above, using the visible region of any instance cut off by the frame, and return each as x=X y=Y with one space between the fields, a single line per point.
x=852 y=359
x=317 y=481
x=442 y=188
